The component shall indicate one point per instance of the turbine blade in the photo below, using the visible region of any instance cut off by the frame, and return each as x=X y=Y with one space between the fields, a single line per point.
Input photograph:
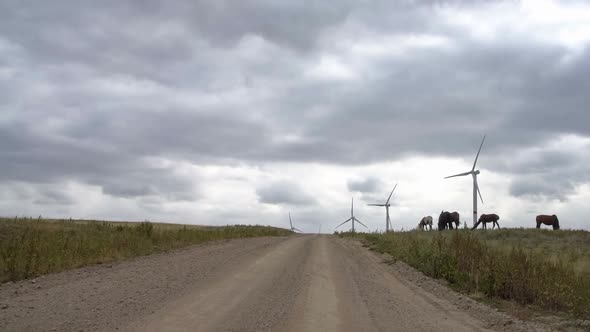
x=347 y=220
x=355 y=219
x=290 y=222
x=478 y=151
x=300 y=231
x=477 y=186
x=376 y=204
x=461 y=174
x=388 y=198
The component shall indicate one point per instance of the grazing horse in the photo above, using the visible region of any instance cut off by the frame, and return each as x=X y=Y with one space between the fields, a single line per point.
x=455 y=219
x=445 y=221
x=548 y=220
x=486 y=218
x=426 y=221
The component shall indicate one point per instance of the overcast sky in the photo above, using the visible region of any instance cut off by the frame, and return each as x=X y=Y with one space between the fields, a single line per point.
x=225 y=112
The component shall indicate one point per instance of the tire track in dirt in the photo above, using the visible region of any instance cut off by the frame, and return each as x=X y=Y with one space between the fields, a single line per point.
x=299 y=283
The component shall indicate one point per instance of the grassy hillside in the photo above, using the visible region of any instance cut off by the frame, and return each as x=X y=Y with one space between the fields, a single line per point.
x=570 y=247
x=540 y=268
x=32 y=247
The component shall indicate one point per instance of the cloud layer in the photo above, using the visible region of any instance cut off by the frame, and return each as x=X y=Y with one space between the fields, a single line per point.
x=142 y=106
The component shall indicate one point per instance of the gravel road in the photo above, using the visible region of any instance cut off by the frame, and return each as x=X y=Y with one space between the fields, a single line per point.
x=299 y=283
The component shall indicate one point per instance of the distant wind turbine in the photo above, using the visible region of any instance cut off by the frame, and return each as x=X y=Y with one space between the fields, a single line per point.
x=474 y=174
x=387 y=205
x=293 y=229
x=352 y=217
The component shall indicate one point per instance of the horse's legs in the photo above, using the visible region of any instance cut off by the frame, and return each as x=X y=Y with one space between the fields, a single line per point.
x=538 y=224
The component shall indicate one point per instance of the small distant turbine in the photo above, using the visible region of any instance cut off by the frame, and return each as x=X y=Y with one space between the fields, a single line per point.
x=352 y=217
x=387 y=205
x=474 y=174
x=293 y=229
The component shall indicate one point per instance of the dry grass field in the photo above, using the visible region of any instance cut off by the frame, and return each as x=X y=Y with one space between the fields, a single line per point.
x=32 y=247
x=543 y=269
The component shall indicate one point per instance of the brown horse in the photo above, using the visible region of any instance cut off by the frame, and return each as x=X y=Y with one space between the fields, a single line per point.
x=486 y=218
x=455 y=219
x=548 y=220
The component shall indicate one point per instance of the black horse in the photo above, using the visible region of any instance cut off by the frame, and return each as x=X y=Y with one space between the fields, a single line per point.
x=445 y=220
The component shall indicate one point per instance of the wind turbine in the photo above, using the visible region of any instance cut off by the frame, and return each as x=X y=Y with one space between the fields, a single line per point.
x=352 y=217
x=293 y=229
x=387 y=205
x=474 y=174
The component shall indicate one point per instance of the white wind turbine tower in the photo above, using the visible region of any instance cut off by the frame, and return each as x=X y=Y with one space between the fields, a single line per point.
x=293 y=229
x=474 y=174
x=387 y=205
x=352 y=217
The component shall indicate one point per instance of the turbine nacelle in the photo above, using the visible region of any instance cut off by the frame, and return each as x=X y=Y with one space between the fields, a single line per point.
x=386 y=205
x=352 y=217
x=474 y=173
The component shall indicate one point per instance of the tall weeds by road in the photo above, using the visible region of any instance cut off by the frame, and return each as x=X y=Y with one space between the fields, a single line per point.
x=531 y=267
x=32 y=247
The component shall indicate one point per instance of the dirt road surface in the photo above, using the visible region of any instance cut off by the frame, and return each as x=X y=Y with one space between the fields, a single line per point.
x=299 y=283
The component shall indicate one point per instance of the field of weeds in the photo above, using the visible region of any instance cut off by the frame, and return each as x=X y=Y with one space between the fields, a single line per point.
x=543 y=269
x=33 y=247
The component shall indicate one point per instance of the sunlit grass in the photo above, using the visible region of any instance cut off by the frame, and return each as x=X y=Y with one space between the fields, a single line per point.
x=32 y=247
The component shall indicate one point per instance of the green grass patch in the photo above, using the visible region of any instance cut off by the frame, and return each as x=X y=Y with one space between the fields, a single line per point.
x=539 y=268
x=33 y=247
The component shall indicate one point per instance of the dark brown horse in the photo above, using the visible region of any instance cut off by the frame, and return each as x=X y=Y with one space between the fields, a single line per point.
x=486 y=218
x=455 y=219
x=444 y=221
x=548 y=220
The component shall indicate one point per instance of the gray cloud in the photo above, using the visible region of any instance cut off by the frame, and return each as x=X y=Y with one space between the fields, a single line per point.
x=92 y=92
x=284 y=192
x=368 y=185
x=552 y=173
x=53 y=197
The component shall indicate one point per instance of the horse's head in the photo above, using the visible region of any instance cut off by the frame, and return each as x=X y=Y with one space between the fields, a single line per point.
x=555 y=222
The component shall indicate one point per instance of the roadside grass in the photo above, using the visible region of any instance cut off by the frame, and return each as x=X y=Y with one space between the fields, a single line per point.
x=33 y=247
x=543 y=269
